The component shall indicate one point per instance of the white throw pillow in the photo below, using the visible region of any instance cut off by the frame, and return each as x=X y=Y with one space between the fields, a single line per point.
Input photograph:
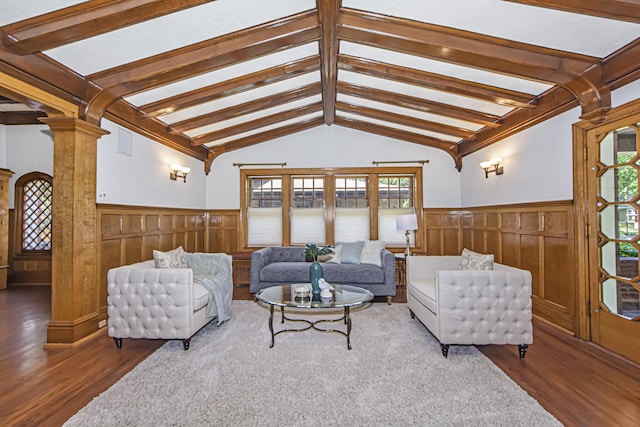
x=172 y=259
x=474 y=261
x=371 y=252
x=333 y=257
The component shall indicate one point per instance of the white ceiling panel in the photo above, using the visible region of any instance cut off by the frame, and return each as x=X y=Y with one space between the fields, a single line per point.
x=253 y=116
x=16 y=10
x=444 y=68
x=408 y=112
x=227 y=73
x=170 y=32
x=299 y=119
x=391 y=125
x=240 y=98
x=421 y=92
x=528 y=24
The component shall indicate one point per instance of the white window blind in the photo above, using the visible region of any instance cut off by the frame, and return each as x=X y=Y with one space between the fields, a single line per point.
x=264 y=226
x=387 y=231
x=308 y=226
x=351 y=224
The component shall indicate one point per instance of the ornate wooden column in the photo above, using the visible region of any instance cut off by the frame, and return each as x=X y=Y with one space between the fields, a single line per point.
x=75 y=291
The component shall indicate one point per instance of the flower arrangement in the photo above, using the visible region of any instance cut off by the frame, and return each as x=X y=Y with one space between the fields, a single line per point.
x=313 y=251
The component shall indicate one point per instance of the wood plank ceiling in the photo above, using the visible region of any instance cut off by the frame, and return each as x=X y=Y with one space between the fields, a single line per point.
x=209 y=77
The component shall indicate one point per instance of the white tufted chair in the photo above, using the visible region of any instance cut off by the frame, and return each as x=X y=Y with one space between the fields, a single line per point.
x=467 y=307
x=156 y=303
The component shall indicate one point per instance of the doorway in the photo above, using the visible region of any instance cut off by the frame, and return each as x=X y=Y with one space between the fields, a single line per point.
x=607 y=191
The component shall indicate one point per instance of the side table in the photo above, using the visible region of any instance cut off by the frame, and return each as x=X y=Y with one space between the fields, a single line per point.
x=401 y=273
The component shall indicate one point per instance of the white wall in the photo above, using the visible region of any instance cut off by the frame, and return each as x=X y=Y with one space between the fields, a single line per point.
x=538 y=164
x=142 y=179
x=3 y=146
x=334 y=146
x=28 y=149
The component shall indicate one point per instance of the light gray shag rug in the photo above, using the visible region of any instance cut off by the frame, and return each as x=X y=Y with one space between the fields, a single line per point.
x=394 y=375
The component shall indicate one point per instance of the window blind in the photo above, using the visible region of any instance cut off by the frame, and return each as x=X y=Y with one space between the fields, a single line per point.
x=351 y=224
x=387 y=231
x=308 y=226
x=264 y=226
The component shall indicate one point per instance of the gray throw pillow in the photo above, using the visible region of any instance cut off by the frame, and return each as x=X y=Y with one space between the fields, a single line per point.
x=351 y=252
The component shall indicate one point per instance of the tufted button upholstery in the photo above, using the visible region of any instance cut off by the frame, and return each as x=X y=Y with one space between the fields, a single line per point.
x=148 y=302
x=470 y=306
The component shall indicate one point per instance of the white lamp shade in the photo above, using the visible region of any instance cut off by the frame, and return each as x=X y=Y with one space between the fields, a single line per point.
x=407 y=222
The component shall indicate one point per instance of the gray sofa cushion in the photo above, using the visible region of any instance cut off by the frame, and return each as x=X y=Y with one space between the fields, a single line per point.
x=333 y=273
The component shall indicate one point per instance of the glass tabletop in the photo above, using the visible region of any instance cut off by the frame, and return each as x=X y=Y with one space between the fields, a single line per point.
x=342 y=296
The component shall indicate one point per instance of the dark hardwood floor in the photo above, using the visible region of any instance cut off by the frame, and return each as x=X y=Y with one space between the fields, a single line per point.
x=581 y=384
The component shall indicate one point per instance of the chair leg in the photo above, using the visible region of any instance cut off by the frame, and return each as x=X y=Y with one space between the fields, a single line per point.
x=445 y=349
x=413 y=315
x=522 y=349
x=186 y=343
x=118 y=342
x=389 y=298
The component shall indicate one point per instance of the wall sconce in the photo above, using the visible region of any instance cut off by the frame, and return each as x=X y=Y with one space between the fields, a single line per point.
x=493 y=165
x=407 y=223
x=178 y=171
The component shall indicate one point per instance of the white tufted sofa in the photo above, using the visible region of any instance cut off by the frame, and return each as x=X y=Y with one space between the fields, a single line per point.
x=469 y=307
x=148 y=302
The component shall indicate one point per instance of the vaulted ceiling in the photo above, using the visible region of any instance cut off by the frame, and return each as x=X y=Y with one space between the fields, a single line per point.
x=209 y=77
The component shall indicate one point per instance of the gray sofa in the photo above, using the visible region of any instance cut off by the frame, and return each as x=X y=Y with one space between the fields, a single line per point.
x=274 y=266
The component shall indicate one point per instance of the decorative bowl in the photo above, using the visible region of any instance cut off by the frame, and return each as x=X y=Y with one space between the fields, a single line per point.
x=302 y=291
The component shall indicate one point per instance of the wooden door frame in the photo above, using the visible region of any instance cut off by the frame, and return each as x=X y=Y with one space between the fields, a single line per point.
x=583 y=134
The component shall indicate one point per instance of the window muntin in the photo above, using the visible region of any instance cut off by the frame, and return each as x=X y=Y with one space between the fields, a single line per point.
x=395 y=191
x=34 y=197
x=265 y=192
x=318 y=196
x=308 y=192
x=352 y=192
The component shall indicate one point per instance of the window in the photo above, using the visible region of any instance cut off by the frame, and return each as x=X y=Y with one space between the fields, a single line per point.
x=327 y=206
x=307 y=211
x=352 y=209
x=264 y=214
x=395 y=197
x=34 y=194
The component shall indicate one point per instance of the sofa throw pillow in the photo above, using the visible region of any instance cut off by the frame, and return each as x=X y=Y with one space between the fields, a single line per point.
x=334 y=257
x=474 y=261
x=172 y=259
x=351 y=252
x=371 y=252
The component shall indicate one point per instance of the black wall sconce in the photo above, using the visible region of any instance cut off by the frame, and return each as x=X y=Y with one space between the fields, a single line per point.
x=493 y=165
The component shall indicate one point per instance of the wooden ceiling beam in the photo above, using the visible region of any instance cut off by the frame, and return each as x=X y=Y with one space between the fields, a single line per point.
x=84 y=20
x=232 y=86
x=21 y=117
x=580 y=74
x=438 y=82
x=248 y=107
x=428 y=141
x=610 y=9
x=257 y=124
x=199 y=58
x=328 y=11
x=258 y=138
x=424 y=105
x=404 y=120
x=553 y=102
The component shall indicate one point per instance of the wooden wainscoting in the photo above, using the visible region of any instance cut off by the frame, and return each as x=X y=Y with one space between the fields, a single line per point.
x=130 y=234
x=538 y=237
x=32 y=269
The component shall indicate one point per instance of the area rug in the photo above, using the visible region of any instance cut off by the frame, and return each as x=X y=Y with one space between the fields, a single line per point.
x=394 y=375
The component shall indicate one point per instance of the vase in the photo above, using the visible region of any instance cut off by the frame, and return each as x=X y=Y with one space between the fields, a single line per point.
x=315 y=272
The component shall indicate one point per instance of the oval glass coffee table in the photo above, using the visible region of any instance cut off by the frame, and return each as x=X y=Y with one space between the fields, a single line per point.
x=343 y=296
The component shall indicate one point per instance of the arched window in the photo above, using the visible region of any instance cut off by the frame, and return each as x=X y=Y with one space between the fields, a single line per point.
x=33 y=197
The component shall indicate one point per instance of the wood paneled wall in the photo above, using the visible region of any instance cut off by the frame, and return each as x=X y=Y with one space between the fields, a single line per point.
x=130 y=234
x=536 y=236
